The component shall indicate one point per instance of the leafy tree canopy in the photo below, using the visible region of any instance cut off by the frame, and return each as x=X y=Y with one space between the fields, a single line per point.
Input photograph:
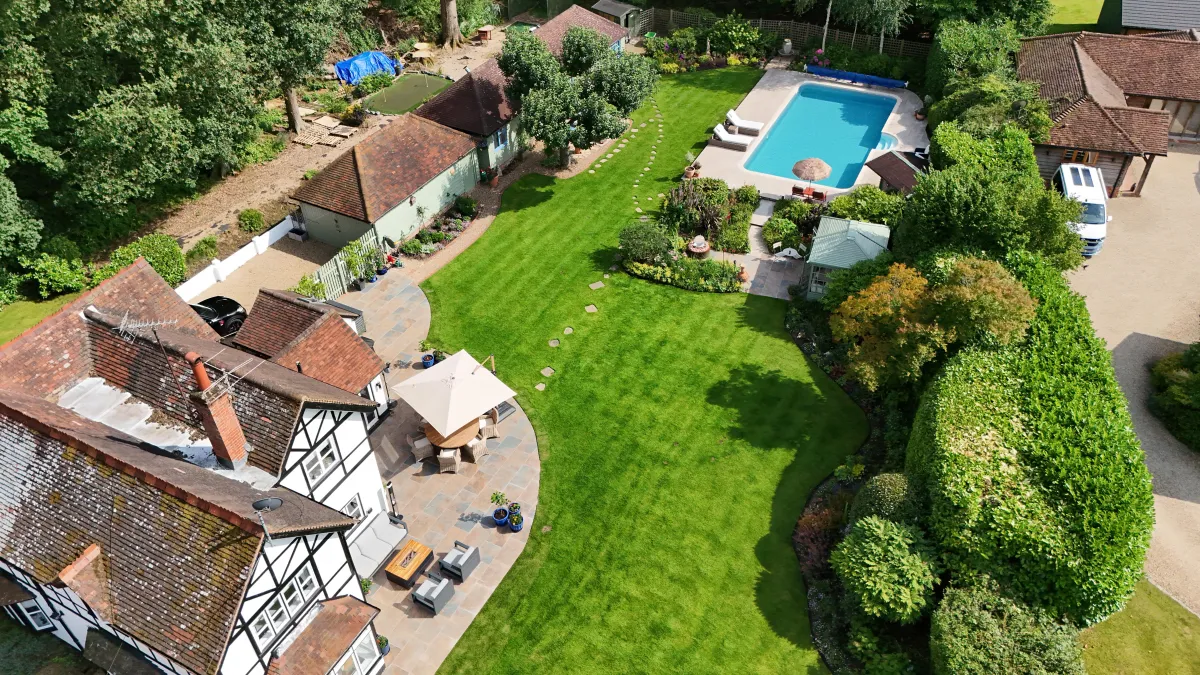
x=983 y=105
x=581 y=49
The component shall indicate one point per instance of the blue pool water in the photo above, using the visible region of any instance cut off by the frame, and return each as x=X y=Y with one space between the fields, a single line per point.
x=840 y=126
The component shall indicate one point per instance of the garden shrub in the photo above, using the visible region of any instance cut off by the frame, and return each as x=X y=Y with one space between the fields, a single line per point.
x=55 y=275
x=962 y=49
x=332 y=102
x=251 y=220
x=780 y=230
x=372 y=83
x=646 y=242
x=1176 y=397
x=466 y=205
x=61 y=246
x=310 y=287
x=978 y=631
x=263 y=149
x=412 y=247
x=862 y=59
x=205 y=249
x=668 y=68
x=655 y=46
x=354 y=116
x=887 y=568
x=10 y=286
x=268 y=119
x=880 y=653
x=983 y=105
x=161 y=251
x=844 y=283
x=734 y=35
x=813 y=538
x=747 y=194
x=795 y=210
x=885 y=495
x=1027 y=460
x=734 y=234
x=697 y=206
x=684 y=41
x=868 y=204
x=708 y=276
x=809 y=320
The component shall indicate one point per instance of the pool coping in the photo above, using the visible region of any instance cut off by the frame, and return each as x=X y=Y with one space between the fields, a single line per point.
x=766 y=103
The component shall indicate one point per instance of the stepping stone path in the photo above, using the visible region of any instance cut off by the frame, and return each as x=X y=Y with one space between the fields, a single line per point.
x=591 y=171
x=540 y=386
x=547 y=371
x=616 y=150
x=646 y=169
x=661 y=195
x=609 y=155
x=639 y=209
x=597 y=286
x=590 y=309
x=568 y=330
x=554 y=343
x=605 y=276
x=644 y=218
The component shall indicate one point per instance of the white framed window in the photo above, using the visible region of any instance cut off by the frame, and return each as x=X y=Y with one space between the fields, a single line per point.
x=37 y=618
x=292 y=597
x=360 y=658
x=354 y=508
x=262 y=630
x=319 y=462
x=306 y=582
x=502 y=136
x=277 y=613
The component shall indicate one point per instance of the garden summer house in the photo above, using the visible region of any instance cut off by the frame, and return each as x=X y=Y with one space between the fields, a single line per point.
x=477 y=105
x=837 y=245
x=554 y=30
x=395 y=181
x=176 y=503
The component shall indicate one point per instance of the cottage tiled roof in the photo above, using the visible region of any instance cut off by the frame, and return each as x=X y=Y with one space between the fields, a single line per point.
x=1190 y=35
x=378 y=174
x=899 y=169
x=323 y=642
x=554 y=30
x=476 y=104
x=177 y=541
x=1086 y=77
x=287 y=328
x=1161 y=14
x=840 y=243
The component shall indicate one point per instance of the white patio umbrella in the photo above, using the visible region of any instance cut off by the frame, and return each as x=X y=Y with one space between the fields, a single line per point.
x=453 y=392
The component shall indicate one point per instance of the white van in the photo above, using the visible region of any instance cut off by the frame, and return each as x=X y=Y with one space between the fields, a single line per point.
x=1085 y=184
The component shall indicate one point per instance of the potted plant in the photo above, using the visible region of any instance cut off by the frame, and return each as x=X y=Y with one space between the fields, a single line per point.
x=494 y=180
x=381 y=266
x=693 y=167
x=427 y=359
x=514 y=508
x=500 y=514
x=383 y=644
x=515 y=522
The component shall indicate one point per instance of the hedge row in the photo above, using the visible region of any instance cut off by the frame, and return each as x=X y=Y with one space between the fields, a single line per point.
x=1028 y=462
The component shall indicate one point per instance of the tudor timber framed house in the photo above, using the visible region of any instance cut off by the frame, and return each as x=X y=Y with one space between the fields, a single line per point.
x=172 y=504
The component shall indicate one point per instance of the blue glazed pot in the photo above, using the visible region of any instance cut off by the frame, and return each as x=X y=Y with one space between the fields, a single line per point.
x=381 y=271
x=427 y=361
x=516 y=527
x=500 y=522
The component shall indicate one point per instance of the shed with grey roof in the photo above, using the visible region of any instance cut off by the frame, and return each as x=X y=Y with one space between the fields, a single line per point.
x=839 y=244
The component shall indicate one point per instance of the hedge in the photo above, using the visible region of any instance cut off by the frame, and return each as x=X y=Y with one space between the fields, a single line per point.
x=965 y=49
x=1176 y=397
x=1028 y=464
x=978 y=631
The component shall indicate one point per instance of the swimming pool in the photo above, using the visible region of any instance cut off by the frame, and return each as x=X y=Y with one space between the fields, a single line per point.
x=840 y=126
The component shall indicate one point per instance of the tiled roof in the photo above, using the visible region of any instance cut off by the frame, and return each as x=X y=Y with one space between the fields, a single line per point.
x=177 y=541
x=476 y=104
x=841 y=243
x=324 y=641
x=1162 y=14
x=1190 y=35
x=1086 y=77
x=899 y=169
x=554 y=30
x=11 y=592
x=286 y=328
x=378 y=174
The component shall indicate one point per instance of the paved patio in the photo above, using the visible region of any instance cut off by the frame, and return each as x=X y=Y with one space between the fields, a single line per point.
x=767 y=101
x=440 y=508
x=769 y=275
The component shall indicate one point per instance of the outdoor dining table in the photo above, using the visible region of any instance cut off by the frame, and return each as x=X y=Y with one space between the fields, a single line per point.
x=455 y=439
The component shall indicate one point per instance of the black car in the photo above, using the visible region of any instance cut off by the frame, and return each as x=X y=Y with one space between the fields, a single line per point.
x=224 y=314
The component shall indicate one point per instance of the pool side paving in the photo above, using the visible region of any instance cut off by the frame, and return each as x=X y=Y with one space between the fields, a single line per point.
x=767 y=102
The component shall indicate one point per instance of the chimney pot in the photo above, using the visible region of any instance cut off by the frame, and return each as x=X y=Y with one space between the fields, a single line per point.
x=299 y=368
x=218 y=417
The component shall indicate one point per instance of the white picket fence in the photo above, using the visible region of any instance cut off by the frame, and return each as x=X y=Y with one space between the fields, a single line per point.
x=220 y=270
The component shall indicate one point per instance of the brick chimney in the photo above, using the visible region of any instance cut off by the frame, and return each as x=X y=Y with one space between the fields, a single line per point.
x=217 y=415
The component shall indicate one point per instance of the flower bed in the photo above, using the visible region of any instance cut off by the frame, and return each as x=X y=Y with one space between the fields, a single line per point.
x=705 y=276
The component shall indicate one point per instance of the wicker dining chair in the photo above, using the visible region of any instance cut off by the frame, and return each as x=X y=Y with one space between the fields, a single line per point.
x=421 y=447
x=448 y=460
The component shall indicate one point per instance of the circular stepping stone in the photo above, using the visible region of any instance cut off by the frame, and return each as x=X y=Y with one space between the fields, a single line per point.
x=621 y=145
x=653 y=152
x=554 y=343
x=605 y=276
x=547 y=371
x=609 y=155
x=645 y=169
x=568 y=330
x=590 y=309
x=591 y=171
x=661 y=195
x=595 y=286
x=644 y=218
x=615 y=150
x=639 y=210
x=643 y=124
x=604 y=160
x=540 y=386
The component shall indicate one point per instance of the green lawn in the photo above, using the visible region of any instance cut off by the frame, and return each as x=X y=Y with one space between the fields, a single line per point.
x=24 y=314
x=1100 y=16
x=406 y=93
x=680 y=434
x=1153 y=635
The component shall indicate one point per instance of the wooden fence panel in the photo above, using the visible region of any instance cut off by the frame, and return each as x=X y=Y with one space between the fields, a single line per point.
x=335 y=274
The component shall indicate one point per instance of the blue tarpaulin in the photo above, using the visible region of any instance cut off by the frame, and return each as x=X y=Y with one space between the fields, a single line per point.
x=856 y=77
x=357 y=67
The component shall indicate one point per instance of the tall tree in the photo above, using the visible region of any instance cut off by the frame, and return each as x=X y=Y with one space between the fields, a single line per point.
x=581 y=49
x=624 y=80
x=451 y=34
x=854 y=12
x=889 y=16
x=528 y=64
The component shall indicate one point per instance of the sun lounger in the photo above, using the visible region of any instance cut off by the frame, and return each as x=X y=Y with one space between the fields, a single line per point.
x=724 y=139
x=744 y=126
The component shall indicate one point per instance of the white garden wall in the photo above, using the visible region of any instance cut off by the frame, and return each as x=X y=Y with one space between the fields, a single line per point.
x=219 y=270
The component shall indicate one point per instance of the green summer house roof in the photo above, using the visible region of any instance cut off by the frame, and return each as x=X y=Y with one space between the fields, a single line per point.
x=840 y=243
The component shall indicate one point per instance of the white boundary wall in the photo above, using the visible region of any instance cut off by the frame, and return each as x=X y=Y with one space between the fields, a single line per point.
x=219 y=270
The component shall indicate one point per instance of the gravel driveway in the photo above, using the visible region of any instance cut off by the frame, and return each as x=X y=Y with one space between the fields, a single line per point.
x=1143 y=291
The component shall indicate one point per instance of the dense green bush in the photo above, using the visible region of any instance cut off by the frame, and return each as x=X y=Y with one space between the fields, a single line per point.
x=978 y=631
x=372 y=83
x=983 y=105
x=1176 y=397
x=863 y=59
x=205 y=249
x=845 y=283
x=734 y=35
x=265 y=148
x=646 y=242
x=251 y=220
x=747 y=194
x=309 y=286
x=734 y=234
x=467 y=205
x=885 y=495
x=709 y=276
x=868 y=204
x=55 y=276
x=161 y=251
x=61 y=246
x=1028 y=462
x=268 y=119
x=10 y=286
x=780 y=230
x=965 y=50
x=887 y=568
